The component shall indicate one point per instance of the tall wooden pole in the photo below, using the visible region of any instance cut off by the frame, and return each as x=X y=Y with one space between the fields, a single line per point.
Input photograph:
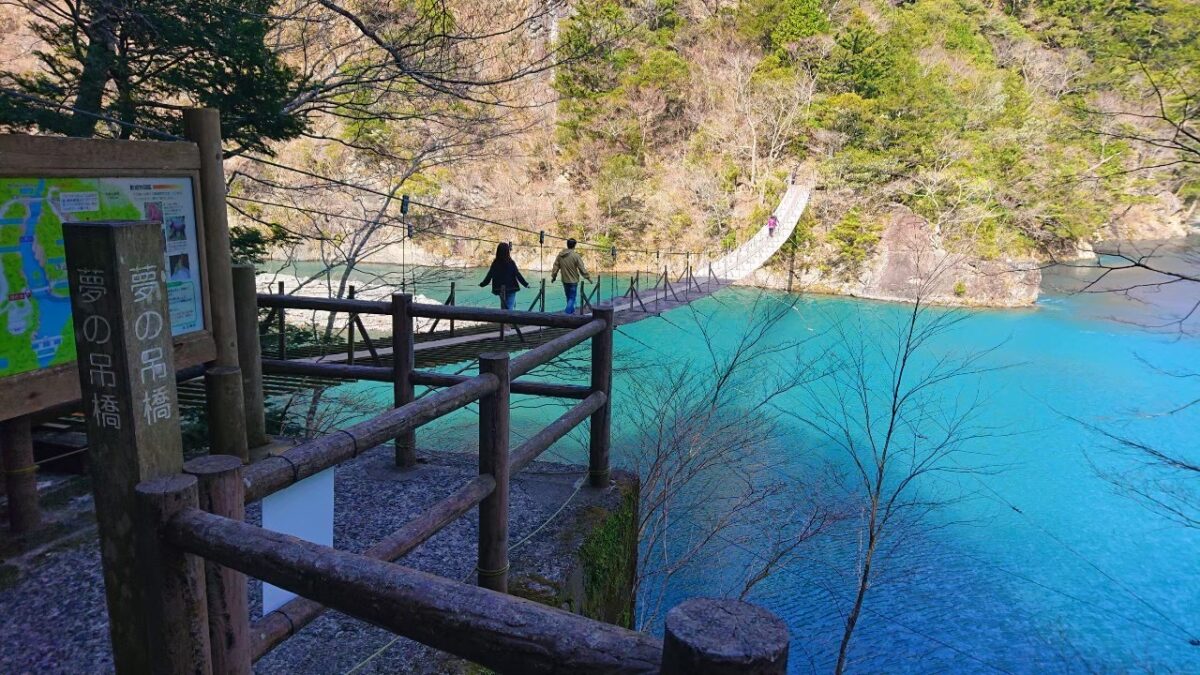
x=127 y=378
x=600 y=435
x=403 y=360
x=492 y=569
x=281 y=350
x=20 y=475
x=203 y=127
x=249 y=354
x=224 y=392
x=350 y=332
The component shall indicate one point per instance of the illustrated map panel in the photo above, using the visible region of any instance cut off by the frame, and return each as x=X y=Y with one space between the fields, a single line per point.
x=35 y=304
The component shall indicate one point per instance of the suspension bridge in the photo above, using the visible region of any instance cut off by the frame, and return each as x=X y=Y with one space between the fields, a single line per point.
x=660 y=293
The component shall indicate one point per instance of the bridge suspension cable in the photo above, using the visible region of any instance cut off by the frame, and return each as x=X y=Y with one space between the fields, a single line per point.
x=389 y=195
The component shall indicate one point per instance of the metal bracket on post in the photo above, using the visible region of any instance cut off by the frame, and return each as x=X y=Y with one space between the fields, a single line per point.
x=282 y=337
x=352 y=317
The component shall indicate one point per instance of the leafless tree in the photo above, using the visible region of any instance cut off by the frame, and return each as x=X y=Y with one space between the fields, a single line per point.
x=704 y=449
x=1162 y=279
x=901 y=408
x=1169 y=121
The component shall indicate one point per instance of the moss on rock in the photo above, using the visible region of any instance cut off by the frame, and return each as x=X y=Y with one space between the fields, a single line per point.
x=609 y=560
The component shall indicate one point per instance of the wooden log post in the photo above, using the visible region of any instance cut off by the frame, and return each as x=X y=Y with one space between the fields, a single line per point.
x=226 y=424
x=492 y=569
x=223 y=493
x=127 y=380
x=403 y=360
x=600 y=432
x=351 y=318
x=723 y=637
x=174 y=596
x=281 y=349
x=542 y=296
x=203 y=127
x=20 y=475
x=249 y=354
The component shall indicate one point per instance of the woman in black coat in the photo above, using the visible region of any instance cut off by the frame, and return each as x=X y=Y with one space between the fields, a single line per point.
x=504 y=277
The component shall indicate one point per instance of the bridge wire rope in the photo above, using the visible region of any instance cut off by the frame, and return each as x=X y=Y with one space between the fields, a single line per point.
x=52 y=106
x=468 y=216
x=56 y=107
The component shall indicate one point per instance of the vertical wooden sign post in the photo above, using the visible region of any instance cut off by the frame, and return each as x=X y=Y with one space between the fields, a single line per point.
x=127 y=377
x=20 y=475
x=223 y=378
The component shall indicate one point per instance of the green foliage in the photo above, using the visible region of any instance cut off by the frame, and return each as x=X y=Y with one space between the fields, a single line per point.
x=854 y=239
x=659 y=69
x=862 y=61
x=252 y=245
x=972 y=100
x=608 y=554
x=960 y=289
x=778 y=24
x=160 y=54
x=593 y=63
x=800 y=19
x=619 y=184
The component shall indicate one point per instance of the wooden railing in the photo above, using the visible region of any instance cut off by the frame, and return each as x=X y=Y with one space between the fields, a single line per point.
x=197 y=551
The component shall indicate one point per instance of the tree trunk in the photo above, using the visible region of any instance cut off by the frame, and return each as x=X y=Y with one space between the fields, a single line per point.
x=864 y=581
x=97 y=68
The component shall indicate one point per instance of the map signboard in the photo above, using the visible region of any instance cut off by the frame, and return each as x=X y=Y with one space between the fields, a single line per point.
x=35 y=305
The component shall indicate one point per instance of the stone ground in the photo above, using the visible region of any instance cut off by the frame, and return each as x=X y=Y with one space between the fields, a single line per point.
x=52 y=615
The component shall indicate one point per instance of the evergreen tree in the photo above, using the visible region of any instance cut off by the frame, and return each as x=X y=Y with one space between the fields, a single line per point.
x=141 y=62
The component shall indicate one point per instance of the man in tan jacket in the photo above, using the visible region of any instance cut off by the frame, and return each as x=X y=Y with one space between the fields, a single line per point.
x=570 y=264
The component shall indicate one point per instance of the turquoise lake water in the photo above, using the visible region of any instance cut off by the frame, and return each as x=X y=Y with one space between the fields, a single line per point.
x=1036 y=564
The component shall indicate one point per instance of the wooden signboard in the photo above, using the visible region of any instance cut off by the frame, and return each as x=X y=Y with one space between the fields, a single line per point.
x=46 y=181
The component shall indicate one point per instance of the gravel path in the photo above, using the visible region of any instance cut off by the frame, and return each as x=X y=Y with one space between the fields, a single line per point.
x=53 y=619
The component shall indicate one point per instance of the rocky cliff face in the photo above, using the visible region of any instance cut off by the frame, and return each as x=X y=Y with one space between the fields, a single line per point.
x=910 y=261
x=1163 y=216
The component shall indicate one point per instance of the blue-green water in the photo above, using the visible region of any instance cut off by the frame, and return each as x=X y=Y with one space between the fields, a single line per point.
x=1037 y=564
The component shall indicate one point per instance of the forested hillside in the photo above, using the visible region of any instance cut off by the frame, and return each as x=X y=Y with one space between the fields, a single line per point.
x=987 y=133
x=993 y=124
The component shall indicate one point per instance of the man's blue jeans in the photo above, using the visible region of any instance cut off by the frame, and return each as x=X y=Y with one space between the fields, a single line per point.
x=570 y=290
x=508 y=300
